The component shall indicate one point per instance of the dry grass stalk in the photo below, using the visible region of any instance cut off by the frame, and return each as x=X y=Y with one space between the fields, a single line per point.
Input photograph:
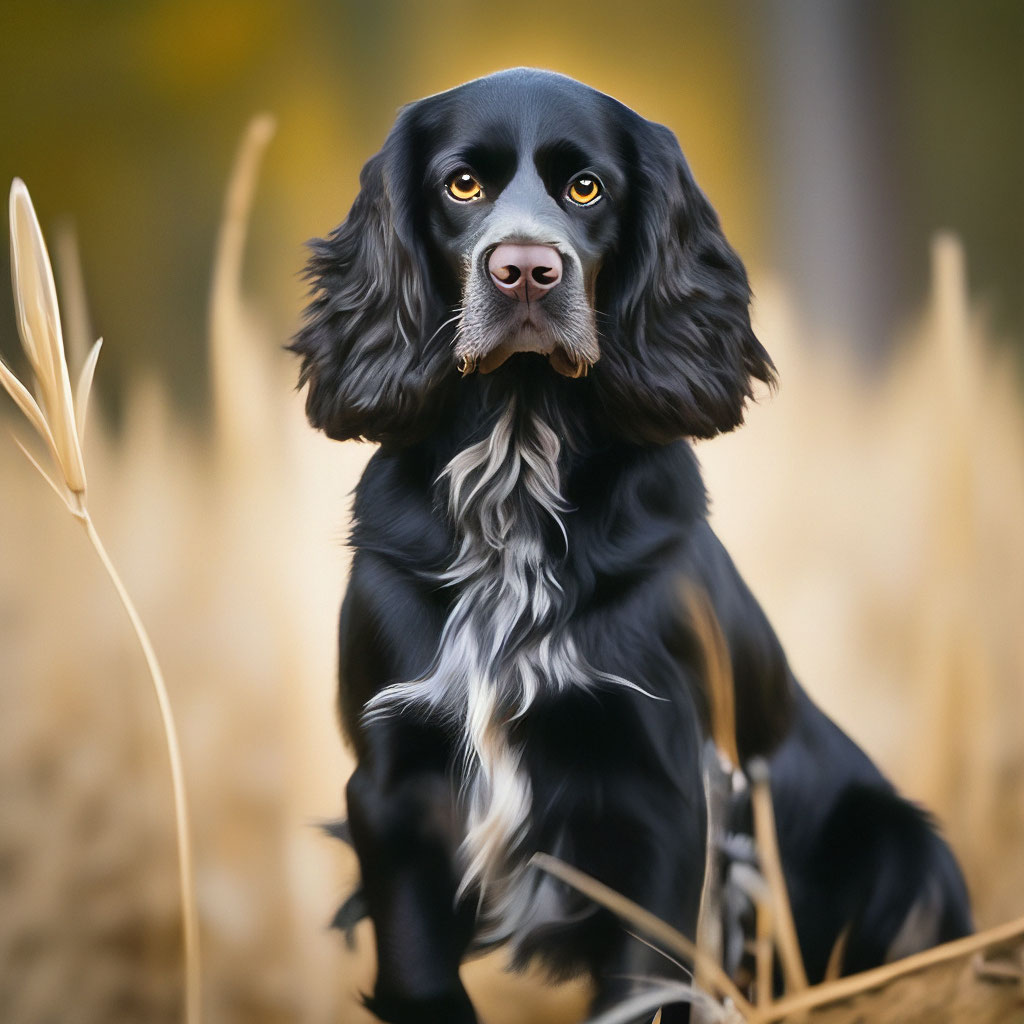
x=710 y=917
x=834 y=967
x=60 y=421
x=717 y=675
x=649 y=924
x=826 y=994
x=775 y=925
x=764 y=953
x=231 y=366
x=720 y=769
x=962 y=701
x=766 y=838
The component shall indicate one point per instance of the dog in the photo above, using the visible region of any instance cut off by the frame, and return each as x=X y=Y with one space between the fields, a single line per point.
x=532 y=309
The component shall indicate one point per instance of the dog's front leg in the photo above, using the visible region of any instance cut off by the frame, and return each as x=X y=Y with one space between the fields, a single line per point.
x=404 y=827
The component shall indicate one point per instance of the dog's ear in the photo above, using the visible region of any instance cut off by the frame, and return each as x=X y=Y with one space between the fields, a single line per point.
x=371 y=354
x=680 y=352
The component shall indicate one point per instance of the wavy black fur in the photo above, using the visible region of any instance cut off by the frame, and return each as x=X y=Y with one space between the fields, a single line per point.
x=681 y=354
x=590 y=482
x=372 y=367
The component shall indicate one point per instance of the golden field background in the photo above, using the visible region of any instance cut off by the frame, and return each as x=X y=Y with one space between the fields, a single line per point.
x=875 y=504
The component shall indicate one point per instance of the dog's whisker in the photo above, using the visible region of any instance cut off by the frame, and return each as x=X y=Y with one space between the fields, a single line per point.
x=442 y=326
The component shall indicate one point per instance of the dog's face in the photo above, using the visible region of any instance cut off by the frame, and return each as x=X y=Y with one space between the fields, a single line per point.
x=525 y=197
x=525 y=212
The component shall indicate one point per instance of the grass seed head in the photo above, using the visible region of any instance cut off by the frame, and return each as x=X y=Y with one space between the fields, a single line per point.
x=51 y=410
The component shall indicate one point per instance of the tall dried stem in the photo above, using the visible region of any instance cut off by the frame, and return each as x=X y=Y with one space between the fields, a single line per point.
x=59 y=419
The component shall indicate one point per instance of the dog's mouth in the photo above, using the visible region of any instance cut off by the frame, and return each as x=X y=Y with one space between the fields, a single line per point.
x=568 y=364
x=569 y=353
x=561 y=361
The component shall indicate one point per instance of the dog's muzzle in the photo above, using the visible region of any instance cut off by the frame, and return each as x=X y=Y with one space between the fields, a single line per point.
x=546 y=315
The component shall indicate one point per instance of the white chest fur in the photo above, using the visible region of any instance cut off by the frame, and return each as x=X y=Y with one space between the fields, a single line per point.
x=505 y=641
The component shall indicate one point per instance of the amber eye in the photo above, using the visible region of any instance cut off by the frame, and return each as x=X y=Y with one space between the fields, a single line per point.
x=585 y=190
x=464 y=187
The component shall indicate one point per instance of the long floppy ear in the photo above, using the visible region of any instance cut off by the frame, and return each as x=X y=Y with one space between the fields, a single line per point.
x=371 y=354
x=679 y=352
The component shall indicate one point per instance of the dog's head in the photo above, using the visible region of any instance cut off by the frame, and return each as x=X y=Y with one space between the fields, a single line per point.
x=525 y=212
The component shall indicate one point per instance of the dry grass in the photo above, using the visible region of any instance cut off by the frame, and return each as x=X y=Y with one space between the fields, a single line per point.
x=977 y=978
x=880 y=519
x=60 y=421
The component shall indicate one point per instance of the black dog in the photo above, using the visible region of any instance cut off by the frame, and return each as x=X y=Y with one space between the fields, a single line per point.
x=531 y=307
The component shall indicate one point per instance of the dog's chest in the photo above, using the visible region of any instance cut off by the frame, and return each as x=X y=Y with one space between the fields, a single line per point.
x=507 y=638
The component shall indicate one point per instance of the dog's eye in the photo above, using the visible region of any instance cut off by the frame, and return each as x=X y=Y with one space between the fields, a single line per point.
x=584 y=190
x=464 y=187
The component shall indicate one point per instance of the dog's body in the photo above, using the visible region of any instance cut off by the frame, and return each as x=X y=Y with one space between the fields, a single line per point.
x=518 y=669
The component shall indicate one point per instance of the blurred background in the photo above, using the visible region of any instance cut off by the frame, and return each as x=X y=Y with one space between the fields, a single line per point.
x=875 y=504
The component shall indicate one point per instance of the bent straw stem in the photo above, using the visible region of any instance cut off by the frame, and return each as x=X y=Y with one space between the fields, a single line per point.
x=644 y=921
x=190 y=916
x=855 y=984
x=766 y=837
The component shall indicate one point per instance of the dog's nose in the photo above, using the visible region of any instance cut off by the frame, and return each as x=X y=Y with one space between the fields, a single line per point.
x=525 y=272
